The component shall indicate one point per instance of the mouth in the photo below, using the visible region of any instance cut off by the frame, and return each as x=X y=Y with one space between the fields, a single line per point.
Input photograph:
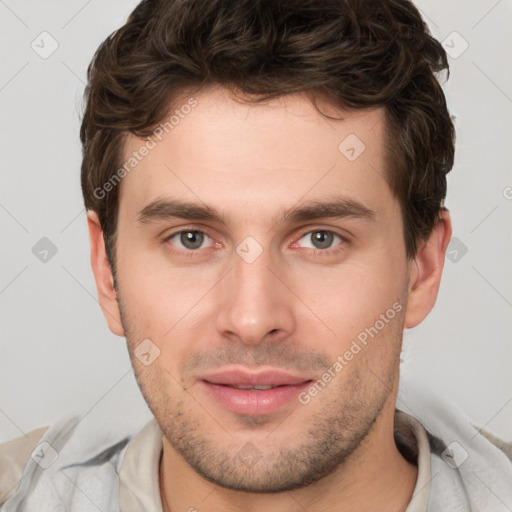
x=253 y=393
x=251 y=388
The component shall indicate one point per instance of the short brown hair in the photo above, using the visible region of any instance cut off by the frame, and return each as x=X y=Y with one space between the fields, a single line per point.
x=357 y=53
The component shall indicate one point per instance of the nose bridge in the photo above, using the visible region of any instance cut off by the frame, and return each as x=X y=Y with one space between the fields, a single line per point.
x=254 y=302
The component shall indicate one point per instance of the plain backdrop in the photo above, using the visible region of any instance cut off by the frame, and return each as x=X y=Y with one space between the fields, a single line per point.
x=57 y=355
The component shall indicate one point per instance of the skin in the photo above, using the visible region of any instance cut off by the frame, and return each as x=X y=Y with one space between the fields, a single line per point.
x=297 y=306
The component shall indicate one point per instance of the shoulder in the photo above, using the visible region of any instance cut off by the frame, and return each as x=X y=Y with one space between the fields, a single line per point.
x=504 y=446
x=14 y=455
x=48 y=464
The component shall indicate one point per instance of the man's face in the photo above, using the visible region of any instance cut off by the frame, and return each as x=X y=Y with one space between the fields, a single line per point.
x=263 y=298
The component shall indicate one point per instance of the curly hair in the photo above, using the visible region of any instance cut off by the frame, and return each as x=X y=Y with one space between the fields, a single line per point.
x=356 y=53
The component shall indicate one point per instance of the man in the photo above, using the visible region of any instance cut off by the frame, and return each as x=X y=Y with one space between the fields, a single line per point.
x=265 y=184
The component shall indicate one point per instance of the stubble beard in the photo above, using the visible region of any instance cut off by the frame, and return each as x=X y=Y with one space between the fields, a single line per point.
x=273 y=464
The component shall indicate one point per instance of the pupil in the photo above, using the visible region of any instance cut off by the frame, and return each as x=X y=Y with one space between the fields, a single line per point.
x=322 y=239
x=192 y=239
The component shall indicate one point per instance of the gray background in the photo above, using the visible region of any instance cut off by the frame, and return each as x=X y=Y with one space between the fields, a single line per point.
x=57 y=355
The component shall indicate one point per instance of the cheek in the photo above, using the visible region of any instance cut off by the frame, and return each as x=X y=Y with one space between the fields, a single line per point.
x=351 y=297
x=363 y=307
x=170 y=307
x=156 y=294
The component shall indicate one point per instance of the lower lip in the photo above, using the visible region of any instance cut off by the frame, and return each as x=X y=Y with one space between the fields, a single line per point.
x=254 y=403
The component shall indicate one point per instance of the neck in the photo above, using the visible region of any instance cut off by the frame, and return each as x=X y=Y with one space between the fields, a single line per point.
x=375 y=477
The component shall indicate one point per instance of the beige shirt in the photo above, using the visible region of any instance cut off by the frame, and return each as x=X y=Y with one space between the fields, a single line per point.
x=139 y=475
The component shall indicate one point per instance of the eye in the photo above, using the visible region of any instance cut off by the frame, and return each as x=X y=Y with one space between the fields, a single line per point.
x=321 y=239
x=189 y=239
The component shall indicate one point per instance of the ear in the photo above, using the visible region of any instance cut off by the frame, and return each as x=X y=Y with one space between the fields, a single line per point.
x=425 y=272
x=102 y=271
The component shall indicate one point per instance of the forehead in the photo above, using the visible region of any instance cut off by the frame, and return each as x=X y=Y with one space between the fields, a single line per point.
x=219 y=149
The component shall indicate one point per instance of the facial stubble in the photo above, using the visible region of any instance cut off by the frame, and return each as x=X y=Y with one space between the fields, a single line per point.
x=272 y=461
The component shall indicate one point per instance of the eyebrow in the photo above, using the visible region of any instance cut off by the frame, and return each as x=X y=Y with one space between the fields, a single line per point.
x=334 y=207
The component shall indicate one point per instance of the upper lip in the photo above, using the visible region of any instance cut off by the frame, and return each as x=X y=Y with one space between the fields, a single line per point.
x=245 y=377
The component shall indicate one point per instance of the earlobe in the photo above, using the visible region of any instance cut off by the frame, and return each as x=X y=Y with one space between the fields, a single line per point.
x=426 y=270
x=102 y=271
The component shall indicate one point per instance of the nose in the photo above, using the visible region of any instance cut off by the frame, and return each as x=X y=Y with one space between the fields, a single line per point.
x=255 y=302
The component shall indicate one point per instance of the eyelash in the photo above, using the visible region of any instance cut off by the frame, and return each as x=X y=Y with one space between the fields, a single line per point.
x=328 y=251
x=331 y=250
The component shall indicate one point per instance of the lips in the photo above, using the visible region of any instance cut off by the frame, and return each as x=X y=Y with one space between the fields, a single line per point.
x=237 y=377
x=250 y=392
